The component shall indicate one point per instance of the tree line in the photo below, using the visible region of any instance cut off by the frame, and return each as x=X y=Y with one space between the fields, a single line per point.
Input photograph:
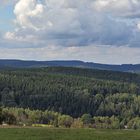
x=37 y=118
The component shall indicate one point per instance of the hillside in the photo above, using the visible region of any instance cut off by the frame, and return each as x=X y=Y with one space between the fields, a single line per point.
x=81 y=64
x=71 y=91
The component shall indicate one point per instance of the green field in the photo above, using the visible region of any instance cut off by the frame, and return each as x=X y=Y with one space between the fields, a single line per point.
x=66 y=134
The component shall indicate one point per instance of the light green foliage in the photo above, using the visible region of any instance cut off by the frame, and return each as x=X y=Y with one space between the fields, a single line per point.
x=65 y=120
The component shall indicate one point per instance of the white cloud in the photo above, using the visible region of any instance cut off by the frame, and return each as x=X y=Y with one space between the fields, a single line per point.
x=26 y=11
x=72 y=23
x=113 y=26
x=118 y=7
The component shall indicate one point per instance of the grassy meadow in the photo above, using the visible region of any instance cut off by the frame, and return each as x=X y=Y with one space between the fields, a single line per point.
x=66 y=134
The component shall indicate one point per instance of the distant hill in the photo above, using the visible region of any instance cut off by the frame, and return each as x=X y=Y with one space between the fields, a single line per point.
x=73 y=63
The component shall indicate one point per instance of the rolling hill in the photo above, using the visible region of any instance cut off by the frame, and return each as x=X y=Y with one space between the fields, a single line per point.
x=81 y=64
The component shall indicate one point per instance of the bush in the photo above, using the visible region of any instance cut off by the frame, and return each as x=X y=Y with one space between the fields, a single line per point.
x=65 y=120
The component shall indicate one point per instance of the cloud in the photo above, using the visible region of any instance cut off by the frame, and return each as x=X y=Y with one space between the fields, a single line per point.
x=106 y=31
x=92 y=53
x=76 y=23
x=117 y=7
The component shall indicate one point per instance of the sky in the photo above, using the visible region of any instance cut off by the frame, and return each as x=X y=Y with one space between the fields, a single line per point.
x=101 y=31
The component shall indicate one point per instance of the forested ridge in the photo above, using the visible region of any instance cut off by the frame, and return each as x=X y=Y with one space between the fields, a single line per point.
x=71 y=91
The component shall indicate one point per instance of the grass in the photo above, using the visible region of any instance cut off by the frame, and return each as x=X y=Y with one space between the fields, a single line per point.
x=66 y=134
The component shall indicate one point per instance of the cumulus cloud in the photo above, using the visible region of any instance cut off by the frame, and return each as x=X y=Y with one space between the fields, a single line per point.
x=78 y=29
x=73 y=23
x=118 y=7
